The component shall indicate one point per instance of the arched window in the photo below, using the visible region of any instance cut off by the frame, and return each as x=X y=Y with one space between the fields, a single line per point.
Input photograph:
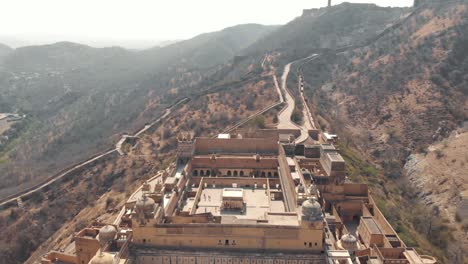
x=229 y=173
x=269 y=174
x=276 y=174
x=263 y=174
x=235 y=173
x=242 y=173
x=195 y=173
x=208 y=172
x=202 y=173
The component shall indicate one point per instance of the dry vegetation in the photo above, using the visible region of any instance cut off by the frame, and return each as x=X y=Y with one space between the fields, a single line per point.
x=393 y=98
x=53 y=215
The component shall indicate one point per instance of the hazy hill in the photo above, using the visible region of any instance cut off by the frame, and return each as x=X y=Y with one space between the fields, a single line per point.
x=78 y=98
x=61 y=56
x=329 y=28
x=4 y=51
x=212 y=48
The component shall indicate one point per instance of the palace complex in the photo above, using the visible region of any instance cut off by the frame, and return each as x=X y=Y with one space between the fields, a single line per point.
x=247 y=197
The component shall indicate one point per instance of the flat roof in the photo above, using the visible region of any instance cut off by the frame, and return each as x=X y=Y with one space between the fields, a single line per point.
x=224 y=136
x=373 y=227
x=335 y=156
x=295 y=175
x=233 y=193
x=327 y=147
x=257 y=205
x=170 y=180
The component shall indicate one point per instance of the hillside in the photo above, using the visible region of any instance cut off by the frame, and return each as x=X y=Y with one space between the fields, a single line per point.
x=393 y=97
x=4 y=51
x=329 y=28
x=78 y=99
x=107 y=184
x=210 y=49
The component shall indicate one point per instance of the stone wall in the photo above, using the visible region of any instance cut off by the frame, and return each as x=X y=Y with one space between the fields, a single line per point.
x=235 y=145
x=163 y=257
x=231 y=237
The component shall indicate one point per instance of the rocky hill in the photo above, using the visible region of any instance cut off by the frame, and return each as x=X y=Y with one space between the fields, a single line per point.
x=394 y=96
x=329 y=28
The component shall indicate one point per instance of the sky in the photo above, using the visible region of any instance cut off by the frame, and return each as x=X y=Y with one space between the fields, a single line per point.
x=141 y=23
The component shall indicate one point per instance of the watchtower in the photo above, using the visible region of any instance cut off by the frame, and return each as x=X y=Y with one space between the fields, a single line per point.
x=184 y=147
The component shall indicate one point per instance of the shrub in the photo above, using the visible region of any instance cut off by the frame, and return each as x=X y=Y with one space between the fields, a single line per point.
x=439 y=153
x=437 y=79
x=297 y=116
x=259 y=122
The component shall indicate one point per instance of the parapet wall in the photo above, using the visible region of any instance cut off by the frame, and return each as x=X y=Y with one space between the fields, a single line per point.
x=179 y=257
x=204 y=146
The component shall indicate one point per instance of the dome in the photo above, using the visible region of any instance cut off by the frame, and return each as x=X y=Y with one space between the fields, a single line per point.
x=348 y=239
x=145 y=204
x=312 y=210
x=348 y=242
x=102 y=258
x=107 y=233
x=300 y=189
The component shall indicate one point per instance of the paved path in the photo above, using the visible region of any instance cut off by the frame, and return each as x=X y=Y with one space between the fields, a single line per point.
x=284 y=118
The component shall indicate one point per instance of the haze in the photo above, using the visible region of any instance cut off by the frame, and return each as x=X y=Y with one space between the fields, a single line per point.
x=142 y=23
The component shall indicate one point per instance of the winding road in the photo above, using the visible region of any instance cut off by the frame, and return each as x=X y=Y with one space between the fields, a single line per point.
x=284 y=117
x=284 y=122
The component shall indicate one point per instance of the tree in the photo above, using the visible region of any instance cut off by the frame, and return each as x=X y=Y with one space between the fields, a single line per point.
x=259 y=122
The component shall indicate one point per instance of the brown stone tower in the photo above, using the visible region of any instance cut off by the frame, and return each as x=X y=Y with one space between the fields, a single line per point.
x=184 y=146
